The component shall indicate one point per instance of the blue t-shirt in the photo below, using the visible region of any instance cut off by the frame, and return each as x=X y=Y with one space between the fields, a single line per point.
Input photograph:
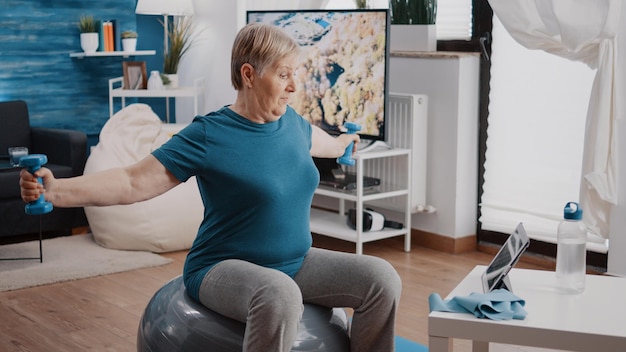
x=256 y=182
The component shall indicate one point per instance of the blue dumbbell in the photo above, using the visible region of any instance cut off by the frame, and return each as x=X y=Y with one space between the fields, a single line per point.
x=33 y=162
x=346 y=158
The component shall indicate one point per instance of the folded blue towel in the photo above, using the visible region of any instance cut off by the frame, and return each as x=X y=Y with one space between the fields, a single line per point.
x=496 y=305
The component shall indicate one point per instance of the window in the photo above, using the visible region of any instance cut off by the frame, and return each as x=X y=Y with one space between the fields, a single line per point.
x=454 y=20
x=536 y=125
x=454 y=17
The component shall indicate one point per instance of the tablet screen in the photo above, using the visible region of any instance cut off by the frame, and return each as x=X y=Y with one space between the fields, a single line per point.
x=505 y=259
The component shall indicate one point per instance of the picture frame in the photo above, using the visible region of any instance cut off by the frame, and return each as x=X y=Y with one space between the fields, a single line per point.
x=135 y=75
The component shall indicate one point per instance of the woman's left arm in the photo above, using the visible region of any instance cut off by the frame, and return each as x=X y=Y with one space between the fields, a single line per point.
x=324 y=145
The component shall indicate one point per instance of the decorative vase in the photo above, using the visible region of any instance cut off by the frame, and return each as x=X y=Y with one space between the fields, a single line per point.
x=173 y=77
x=89 y=42
x=155 y=82
x=413 y=37
x=129 y=44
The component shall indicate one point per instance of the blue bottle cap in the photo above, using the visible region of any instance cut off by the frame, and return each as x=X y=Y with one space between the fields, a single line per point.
x=572 y=211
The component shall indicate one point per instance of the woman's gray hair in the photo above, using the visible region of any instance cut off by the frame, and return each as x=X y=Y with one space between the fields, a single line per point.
x=259 y=45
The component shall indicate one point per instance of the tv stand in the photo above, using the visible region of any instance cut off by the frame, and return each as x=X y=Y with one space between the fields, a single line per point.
x=368 y=146
x=333 y=224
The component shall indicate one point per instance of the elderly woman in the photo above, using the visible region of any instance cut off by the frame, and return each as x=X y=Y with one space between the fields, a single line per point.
x=252 y=258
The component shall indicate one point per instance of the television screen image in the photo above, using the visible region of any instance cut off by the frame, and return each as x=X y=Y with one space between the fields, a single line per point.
x=343 y=76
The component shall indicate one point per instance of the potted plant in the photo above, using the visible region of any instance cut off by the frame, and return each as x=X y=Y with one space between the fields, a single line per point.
x=413 y=25
x=88 y=27
x=180 y=39
x=129 y=40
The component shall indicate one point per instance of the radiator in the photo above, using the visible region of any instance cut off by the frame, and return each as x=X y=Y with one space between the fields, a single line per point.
x=407 y=124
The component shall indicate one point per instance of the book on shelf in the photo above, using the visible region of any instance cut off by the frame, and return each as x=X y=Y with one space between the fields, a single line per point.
x=105 y=36
x=108 y=30
x=114 y=36
x=100 y=26
x=109 y=35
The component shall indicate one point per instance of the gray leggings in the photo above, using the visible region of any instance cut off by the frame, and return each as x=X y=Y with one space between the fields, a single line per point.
x=270 y=302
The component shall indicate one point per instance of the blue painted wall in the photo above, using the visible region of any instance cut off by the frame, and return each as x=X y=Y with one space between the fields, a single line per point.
x=36 y=38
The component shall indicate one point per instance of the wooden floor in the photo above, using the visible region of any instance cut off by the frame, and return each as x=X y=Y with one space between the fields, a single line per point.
x=102 y=313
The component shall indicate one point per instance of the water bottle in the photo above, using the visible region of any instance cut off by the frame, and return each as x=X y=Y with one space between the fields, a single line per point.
x=571 y=250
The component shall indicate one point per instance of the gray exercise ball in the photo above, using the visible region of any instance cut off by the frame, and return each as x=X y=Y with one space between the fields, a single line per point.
x=173 y=321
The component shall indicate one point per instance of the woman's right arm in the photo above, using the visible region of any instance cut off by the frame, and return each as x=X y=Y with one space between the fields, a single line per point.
x=143 y=180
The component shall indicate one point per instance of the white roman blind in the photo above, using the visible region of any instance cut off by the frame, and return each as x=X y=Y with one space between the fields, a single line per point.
x=537 y=111
x=454 y=17
x=285 y=4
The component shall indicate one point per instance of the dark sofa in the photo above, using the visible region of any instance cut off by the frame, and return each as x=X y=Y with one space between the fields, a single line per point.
x=67 y=153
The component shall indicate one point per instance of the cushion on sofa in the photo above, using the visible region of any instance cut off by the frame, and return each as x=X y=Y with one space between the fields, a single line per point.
x=165 y=223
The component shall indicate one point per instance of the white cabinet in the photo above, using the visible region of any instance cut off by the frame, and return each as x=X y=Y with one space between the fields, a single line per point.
x=333 y=224
x=116 y=91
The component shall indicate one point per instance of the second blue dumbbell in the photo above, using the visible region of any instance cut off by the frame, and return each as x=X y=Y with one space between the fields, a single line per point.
x=33 y=162
x=346 y=158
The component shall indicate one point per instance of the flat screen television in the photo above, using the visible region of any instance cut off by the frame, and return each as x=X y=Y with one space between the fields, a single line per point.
x=345 y=56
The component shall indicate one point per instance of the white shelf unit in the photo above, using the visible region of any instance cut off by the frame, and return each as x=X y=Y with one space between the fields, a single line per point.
x=117 y=91
x=333 y=224
x=81 y=54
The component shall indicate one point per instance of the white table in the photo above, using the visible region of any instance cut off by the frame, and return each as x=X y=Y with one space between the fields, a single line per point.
x=117 y=91
x=592 y=321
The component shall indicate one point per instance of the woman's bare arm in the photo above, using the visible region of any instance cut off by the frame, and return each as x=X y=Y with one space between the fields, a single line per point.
x=327 y=146
x=143 y=180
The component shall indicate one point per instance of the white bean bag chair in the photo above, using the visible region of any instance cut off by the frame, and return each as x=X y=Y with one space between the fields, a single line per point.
x=165 y=223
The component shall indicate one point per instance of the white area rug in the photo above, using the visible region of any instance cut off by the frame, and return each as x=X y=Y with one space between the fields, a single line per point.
x=67 y=258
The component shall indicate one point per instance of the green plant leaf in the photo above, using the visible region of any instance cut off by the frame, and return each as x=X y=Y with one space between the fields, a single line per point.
x=87 y=24
x=180 y=39
x=413 y=11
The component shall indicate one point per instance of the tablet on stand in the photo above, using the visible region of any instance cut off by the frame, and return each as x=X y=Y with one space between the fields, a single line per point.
x=495 y=276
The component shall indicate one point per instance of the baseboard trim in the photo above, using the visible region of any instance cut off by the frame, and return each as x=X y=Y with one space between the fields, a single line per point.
x=444 y=243
x=470 y=244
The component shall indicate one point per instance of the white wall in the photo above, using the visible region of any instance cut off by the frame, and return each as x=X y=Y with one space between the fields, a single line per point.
x=218 y=23
x=451 y=84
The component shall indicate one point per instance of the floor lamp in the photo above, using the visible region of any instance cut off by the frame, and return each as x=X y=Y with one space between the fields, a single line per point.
x=165 y=8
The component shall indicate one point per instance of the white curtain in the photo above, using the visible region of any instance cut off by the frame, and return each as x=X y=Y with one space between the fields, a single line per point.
x=585 y=31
